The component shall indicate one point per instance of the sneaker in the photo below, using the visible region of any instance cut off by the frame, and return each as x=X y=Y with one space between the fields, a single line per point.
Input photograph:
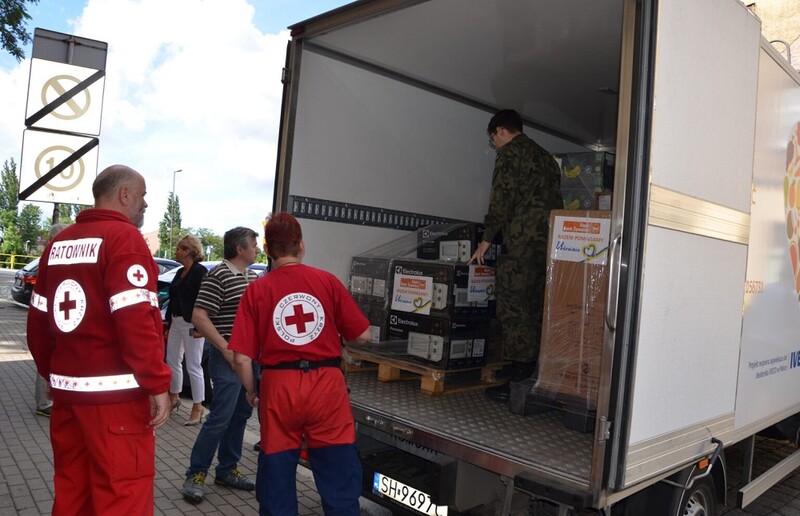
x=193 y=487
x=43 y=412
x=236 y=480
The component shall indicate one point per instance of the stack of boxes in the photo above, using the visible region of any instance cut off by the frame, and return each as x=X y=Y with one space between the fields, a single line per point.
x=438 y=304
x=585 y=177
x=433 y=309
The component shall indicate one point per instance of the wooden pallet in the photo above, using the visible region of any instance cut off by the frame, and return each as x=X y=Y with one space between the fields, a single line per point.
x=433 y=380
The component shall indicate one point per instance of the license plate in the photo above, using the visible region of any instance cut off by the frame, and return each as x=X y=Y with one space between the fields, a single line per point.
x=408 y=496
x=17 y=282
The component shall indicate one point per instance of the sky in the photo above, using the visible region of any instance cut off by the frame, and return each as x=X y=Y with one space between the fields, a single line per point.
x=191 y=85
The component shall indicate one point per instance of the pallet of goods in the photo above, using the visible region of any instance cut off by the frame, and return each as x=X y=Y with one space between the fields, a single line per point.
x=433 y=380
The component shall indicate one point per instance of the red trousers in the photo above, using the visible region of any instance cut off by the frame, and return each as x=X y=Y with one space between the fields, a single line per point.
x=104 y=458
x=314 y=404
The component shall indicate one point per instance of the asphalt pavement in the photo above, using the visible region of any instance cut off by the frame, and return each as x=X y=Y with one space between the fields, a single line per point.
x=26 y=461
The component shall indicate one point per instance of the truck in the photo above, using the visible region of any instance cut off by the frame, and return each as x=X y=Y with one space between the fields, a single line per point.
x=383 y=129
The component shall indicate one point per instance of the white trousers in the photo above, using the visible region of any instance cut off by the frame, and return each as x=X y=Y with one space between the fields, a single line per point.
x=180 y=343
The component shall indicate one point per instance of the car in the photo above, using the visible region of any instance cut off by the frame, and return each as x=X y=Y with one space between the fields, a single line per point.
x=259 y=268
x=24 y=280
x=163 y=283
x=165 y=264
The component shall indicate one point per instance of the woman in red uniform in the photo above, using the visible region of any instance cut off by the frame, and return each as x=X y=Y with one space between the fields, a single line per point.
x=292 y=322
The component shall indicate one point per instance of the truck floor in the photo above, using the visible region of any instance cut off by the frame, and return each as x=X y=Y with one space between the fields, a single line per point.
x=478 y=425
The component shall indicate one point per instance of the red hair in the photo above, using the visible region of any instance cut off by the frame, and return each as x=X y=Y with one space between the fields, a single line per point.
x=283 y=235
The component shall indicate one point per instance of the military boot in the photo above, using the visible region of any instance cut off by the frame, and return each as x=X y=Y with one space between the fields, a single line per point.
x=521 y=371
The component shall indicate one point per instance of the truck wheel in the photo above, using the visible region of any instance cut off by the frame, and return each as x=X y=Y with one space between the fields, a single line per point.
x=699 y=500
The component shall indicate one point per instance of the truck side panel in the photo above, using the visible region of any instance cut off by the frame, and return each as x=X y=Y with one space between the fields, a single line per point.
x=695 y=250
x=769 y=376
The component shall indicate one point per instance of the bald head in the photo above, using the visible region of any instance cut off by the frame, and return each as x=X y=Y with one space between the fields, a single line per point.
x=122 y=189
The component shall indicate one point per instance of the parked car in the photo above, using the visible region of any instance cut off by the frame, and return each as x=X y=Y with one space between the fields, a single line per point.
x=24 y=280
x=165 y=264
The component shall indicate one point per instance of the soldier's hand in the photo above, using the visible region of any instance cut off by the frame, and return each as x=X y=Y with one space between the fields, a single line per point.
x=479 y=252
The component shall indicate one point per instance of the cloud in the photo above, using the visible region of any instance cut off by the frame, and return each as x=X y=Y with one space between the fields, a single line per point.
x=191 y=85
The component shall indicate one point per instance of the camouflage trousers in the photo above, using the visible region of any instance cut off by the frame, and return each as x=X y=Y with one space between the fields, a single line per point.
x=519 y=284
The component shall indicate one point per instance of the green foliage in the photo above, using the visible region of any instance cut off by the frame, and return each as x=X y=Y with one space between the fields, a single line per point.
x=9 y=186
x=68 y=212
x=13 y=26
x=31 y=233
x=18 y=229
x=169 y=229
x=209 y=240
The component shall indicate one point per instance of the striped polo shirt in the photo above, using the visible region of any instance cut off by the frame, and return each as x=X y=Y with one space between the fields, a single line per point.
x=220 y=292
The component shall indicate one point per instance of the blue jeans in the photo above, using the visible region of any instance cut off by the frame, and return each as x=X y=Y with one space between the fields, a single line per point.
x=337 y=474
x=227 y=419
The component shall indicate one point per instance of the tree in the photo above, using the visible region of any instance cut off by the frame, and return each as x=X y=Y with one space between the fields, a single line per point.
x=30 y=227
x=212 y=244
x=170 y=224
x=13 y=26
x=68 y=212
x=9 y=187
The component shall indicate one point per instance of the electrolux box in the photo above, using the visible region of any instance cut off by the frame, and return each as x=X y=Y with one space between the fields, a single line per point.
x=452 y=242
x=442 y=341
x=378 y=318
x=370 y=277
x=583 y=176
x=436 y=288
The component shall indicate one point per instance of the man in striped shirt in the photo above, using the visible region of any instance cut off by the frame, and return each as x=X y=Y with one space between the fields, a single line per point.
x=213 y=316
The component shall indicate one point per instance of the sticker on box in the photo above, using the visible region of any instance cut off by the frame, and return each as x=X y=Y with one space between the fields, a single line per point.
x=480 y=286
x=580 y=239
x=413 y=294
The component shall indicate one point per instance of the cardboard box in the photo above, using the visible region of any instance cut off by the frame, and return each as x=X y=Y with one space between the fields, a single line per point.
x=583 y=175
x=453 y=242
x=442 y=341
x=370 y=278
x=378 y=317
x=575 y=302
x=441 y=289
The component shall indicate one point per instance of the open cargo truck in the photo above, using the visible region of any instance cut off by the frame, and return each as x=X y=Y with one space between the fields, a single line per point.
x=385 y=109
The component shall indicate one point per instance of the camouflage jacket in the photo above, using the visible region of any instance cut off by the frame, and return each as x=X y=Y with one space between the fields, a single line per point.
x=525 y=187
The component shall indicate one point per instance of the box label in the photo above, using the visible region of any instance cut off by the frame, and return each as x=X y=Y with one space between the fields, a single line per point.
x=580 y=239
x=480 y=286
x=412 y=294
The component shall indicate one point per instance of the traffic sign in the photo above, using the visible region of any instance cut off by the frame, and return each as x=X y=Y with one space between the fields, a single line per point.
x=65 y=104
x=64 y=97
x=57 y=167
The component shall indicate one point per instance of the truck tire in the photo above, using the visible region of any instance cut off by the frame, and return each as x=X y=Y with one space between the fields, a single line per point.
x=699 y=500
x=662 y=499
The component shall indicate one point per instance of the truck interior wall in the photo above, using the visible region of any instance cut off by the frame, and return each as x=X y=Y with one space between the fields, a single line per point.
x=363 y=138
x=769 y=378
x=703 y=121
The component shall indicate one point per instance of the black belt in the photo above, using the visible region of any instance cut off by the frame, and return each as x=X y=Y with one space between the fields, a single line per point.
x=305 y=365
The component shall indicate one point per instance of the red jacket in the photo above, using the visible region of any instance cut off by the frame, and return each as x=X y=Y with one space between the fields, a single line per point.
x=94 y=319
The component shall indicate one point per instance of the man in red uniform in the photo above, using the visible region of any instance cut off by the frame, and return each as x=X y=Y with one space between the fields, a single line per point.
x=95 y=331
x=291 y=321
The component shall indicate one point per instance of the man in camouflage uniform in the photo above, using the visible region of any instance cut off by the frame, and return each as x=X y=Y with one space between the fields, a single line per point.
x=525 y=187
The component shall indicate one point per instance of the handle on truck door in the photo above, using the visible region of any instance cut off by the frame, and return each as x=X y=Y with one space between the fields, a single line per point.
x=613 y=268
